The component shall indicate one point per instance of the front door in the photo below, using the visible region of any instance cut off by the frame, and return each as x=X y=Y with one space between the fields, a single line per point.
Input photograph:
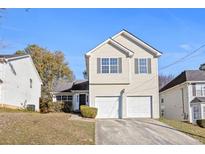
x=82 y=100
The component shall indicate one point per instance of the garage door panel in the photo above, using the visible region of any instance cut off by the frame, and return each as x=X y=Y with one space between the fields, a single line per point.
x=138 y=107
x=108 y=107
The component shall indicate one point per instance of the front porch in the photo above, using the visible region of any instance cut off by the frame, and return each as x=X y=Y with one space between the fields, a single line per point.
x=77 y=94
x=197 y=109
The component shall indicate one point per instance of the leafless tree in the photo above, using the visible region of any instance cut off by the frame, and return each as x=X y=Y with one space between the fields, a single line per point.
x=164 y=79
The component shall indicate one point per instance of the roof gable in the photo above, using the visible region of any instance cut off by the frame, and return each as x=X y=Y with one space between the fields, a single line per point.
x=138 y=41
x=126 y=50
x=115 y=43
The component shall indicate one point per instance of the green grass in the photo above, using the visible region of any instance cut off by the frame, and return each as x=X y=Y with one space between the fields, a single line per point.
x=187 y=128
x=53 y=128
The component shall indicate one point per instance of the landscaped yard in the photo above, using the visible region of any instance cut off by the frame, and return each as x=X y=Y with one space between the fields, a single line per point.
x=189 y=129
x=52 y=128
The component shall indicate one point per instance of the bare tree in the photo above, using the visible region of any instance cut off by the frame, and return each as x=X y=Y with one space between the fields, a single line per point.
x=164 y=79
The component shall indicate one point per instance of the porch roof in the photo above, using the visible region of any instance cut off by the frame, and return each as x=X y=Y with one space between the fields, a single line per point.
x=198 y=100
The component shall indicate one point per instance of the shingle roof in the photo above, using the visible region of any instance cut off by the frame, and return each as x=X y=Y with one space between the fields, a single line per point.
x=188 y=75
x=62 y=85
x=67 y=86
x=81 y=85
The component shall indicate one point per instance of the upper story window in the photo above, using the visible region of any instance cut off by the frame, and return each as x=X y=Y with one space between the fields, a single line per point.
x=142 y=66
x=109 y=65
x=162 y=100
x=199 y=90
x=31 y=83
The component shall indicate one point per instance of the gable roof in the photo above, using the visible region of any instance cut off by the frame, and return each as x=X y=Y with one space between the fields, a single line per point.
x=188 y=75
x=7 y=58
x=130 y=36
x=139 y=41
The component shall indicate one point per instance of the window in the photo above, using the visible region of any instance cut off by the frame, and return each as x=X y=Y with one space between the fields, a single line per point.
x=70 y=98
x=143 y=66
x=200 y=89
x=196 y=112
x=105 y=65
x=64 y=98
x=31 y=83
x=162 y=100
x=109 y=65
x=58 y=98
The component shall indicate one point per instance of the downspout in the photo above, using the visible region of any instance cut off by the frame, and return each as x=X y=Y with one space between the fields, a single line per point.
x=183 y=109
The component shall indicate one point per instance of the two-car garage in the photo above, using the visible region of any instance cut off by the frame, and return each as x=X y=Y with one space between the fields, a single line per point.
x=135 y=107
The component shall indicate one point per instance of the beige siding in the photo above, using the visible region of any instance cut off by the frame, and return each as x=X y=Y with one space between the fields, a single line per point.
x=134 y=84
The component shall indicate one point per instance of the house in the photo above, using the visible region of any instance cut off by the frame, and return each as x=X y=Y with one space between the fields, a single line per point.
x=183 y=98
x=122 y=79
x=20 y=83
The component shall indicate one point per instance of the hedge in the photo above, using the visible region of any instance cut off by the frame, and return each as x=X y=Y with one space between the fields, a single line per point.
x=201 y=123
x=88 y=112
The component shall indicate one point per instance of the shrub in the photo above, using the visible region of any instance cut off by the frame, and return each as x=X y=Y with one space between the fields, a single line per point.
x=55 y=106
x=201 y=123
x=88 y=112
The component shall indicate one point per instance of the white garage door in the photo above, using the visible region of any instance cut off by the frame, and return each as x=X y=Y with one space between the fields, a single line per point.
x=108 y=107
x=138 y=107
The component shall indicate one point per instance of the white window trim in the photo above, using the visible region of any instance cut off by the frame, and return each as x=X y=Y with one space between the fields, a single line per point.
x=146 y=60
x=109 y=71
x=61 y=96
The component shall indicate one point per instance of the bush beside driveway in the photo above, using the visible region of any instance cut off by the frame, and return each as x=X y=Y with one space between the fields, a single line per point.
x=187 y=128
x=52 y=128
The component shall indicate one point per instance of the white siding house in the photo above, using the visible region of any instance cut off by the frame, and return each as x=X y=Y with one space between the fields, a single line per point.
x=184 y=97
x=20 y=83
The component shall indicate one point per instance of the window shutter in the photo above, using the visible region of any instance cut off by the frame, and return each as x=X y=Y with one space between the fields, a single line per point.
x=98 y=65
x=120 y=64
x=194 y=90
x=136 y=66
x=149 y=65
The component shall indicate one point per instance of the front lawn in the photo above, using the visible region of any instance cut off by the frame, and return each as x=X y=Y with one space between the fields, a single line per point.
x=52 y=128
x=187 y=128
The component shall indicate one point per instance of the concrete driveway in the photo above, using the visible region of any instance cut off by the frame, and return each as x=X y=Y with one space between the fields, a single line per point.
x=138 y=131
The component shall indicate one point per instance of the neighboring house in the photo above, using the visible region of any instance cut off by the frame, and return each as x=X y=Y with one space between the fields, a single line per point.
x=184 y=97
x=20 y=83
x=123 y=79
